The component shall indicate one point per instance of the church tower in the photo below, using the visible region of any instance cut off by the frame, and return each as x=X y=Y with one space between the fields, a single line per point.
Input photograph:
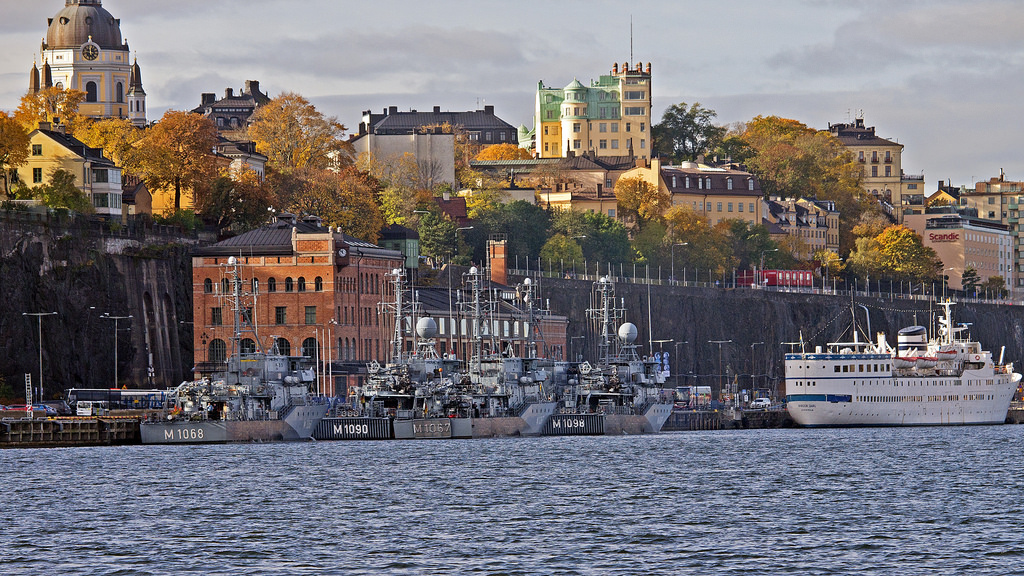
x=83 y=50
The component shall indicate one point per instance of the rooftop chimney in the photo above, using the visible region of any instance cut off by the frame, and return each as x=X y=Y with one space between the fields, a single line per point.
x=437 y=109
x=209 y=98
x=229 y=93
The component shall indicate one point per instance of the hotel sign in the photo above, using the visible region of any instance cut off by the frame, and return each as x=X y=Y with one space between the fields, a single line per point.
x=947 y=237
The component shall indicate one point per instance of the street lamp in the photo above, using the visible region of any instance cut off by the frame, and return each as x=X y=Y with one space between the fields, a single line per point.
x=39 y=320
x=828 y=264
x=678 y=365
x=761 y=272
x=572 y=347
x=720 y=375
x=107 y=316
x=753 y=377
x=674 y=259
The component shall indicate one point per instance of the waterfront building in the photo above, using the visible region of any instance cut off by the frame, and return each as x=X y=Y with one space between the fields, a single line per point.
x=313 y=286
x=812 y=224
x=719 y=193
x=610 y=117
x=98 y=178
x=882 y=161
x=963 y=242
x=999 y=200
x=83 y=50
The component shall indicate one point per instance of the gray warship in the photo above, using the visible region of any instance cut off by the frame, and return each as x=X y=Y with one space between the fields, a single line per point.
x=261 y=396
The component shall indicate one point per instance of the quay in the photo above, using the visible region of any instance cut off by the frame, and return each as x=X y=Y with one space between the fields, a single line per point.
x=727 y=419
x=68 y=432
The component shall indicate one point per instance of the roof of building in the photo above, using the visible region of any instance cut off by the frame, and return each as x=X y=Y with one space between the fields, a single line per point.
x=720 y=180
x=857 y=134
x=398 y=232
x=276 y=239
x=75 y=146
x=82 y=20
x=394 y=122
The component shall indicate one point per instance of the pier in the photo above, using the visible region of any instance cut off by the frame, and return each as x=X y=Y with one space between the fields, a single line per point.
x=67 y=432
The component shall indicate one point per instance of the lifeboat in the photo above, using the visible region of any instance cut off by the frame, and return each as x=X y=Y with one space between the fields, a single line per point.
x=904 y=362
x=924 y=362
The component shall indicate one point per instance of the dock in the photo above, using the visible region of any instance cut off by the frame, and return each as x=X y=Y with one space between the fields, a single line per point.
x=68 y=432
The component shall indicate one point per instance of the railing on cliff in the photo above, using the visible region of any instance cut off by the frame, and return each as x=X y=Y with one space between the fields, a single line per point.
x=695 y=278
x=60 y=223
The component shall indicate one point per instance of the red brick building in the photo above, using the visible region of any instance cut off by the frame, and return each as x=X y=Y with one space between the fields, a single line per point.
x=309 y=290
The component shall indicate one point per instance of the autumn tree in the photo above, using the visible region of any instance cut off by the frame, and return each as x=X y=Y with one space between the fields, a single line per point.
x=402 y=190
x=293 y=134
x=706 y=247
x=897 y=253
x=684 y=133
x=994 y=287
x=61 y=192
x=54 y=105
x=239 y=202
x=504 y=152
x=641 y=200
x=345 y=199
x=118 y=138
x=14 y=148
x=177 y=152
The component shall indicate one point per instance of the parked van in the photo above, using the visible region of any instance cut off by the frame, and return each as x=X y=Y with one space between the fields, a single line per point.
x=761 y=403
x=92 y=407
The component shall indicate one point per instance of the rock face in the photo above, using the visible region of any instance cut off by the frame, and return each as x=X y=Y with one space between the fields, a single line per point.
x=71 y=271
x=750 y=317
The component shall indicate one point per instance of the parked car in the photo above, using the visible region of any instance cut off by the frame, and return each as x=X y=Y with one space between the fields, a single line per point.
x=761 y=403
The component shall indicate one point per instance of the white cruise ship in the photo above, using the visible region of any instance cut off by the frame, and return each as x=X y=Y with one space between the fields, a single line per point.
x=946 y=380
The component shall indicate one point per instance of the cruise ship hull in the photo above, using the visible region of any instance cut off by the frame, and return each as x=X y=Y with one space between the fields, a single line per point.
x=297 y=425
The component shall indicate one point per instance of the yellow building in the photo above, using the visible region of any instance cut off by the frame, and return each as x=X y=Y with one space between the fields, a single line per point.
x=999 y=200
x=812 y=224
x=718 y=192
x=83 y=50
x=611 y=117
x=883 y=169
x=98 y=178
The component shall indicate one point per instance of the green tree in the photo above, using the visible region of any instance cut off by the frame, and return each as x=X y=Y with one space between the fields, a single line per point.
x=684 y=133
x=438 y=236
x=524 y=225
x=61 y=192
x=14 y=148
x=706 y=246
x=601 y=237
x=994 y=287
x=561 y=248
x=970 y=281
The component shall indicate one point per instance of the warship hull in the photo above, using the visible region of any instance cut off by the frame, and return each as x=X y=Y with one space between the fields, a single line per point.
x=297 y=425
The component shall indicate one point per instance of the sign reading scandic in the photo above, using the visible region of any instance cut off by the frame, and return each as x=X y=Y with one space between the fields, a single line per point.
x=947 y=237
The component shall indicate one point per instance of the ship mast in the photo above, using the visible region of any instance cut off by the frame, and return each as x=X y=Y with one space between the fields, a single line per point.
x=395 y=309
x=605 y=316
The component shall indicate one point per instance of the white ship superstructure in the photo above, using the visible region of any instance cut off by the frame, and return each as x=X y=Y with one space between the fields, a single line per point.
x=947 y=380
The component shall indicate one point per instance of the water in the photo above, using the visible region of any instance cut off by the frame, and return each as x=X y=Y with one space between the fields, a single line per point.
x=866 y=501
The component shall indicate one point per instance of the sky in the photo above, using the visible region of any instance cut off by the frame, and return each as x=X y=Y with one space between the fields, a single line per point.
x=941 y=77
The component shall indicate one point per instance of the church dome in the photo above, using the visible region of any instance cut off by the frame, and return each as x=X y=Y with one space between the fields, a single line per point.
x=79 y=20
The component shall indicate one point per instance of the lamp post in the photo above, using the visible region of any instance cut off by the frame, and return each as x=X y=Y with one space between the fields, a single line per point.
x=572 y=347
x=678 y=365
x=107 y=316
x=39 y=321
x=761 y=269
x=753 y=370
x=674 y=259
x=828 y=265
x=720 y=375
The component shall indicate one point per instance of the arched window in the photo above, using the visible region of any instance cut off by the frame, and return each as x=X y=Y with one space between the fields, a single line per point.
x=271 y=284
x=283 y=346
x=310 y=347
x=302 y=283
x=289 y=285
x=247 y=346
x=90 y=92
x=318 y=284
x=255 y=286
x=208 y=286
x=120 y=92
x=225 y=287
x=218 y=350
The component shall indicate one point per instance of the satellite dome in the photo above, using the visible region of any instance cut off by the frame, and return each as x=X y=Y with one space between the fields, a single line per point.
x=426 y=328
x=80 y=20
x=232 y=261
x=527 y=281
x=627 y=332
x=473 y=270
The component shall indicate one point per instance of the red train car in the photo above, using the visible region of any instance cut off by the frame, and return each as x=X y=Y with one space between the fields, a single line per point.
x=783 y=278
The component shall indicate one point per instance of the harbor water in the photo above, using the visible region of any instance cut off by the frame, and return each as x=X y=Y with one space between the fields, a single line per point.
x=860 y=501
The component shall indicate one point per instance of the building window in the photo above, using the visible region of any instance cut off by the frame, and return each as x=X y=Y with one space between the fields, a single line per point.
x=289 y=284
x=208 y=286
x=602 y=127
x=888 y=156
x=310 y=347
x=751 y=207
x=888 y=170
x=728 y=183
x=707 y=185
x=615 y=128
x=739 y=205
x=247 y=346
x=874 y=171
x=216 y=316
x=37 y=149
x=611 y=212
x=225 y=287
x=90 y=92
x=280 y=314
x=729 y=206
x=602 y=144
x=615 y=144
x=860 y=156
x=37 y=175
x=719 y=206
x=643 y=143
x=318 y=284
x=120 y=92
x=283 y=346
x=576 y=144
x=271 y=284
x=310 y=315
x=750 y=183
x=302 y=283
x=218 y=350
x=673 y=181
x=633 y=111
x=643 y=127
x=576 y=127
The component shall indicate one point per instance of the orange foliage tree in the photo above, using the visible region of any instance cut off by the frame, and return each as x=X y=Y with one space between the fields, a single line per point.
x=504 y=152
x=178 y=152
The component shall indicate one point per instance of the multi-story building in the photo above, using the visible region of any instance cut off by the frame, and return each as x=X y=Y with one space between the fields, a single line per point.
x=717 y=192
x=83 y=50
x=312 y=285
x=97 y=177
x=611 y=117
x=231 y=113
x=963 y=242
x=813 y=224
x=883 y=178
x=1000 y=200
